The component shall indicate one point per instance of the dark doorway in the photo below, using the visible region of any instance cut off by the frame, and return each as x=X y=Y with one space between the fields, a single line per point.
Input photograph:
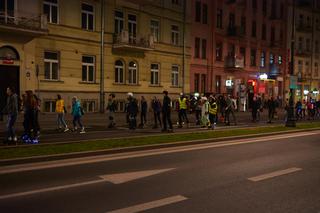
x=9 y=77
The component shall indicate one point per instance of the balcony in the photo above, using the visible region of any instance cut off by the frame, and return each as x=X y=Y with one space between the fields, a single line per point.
x=233 y=63
x=125 y=41
x=26 y=24
x=238 y=3
x=303 y=53
x=235 y=32
x=304 y=28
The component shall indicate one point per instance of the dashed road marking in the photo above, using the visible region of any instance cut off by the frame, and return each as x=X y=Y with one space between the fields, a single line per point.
x=274 y=174
x=151 y=205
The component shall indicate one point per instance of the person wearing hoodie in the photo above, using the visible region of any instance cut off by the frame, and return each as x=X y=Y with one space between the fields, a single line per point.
x=11 y=109
x=77 y=113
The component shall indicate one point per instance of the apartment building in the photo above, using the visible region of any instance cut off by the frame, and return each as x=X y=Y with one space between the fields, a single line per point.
x=54 y=46
x=246 y=48
x=306 y=52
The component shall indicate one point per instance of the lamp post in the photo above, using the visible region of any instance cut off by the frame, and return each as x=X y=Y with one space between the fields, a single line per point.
x=291 y=121
x=102 y=58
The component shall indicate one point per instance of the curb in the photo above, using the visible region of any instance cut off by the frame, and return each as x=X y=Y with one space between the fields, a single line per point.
x=139 y=148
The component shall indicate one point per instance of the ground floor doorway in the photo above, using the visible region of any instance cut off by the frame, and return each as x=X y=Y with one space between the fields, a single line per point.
x=9 y=77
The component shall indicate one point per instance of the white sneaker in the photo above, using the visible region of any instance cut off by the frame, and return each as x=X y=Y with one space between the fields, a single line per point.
x=66 y=129
x=9 y=138
x=15 y=139
x=82 y=131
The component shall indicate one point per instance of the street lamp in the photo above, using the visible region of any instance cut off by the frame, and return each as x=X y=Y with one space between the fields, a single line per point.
x=291 y=121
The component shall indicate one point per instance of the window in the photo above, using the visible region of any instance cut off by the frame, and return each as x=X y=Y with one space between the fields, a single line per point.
x=155 y=74
x=308 y=22
x=204 y=14
x=232 y=20
x=219 y=49
x=254 y=4
x=88 y=70
x=198 y=11
x=203 y=83
x=51 y=66
x=89 y=105
x=174 y=35
x=219 y=18
x=133 y=73
x=301 y=20
x=264 y=32
x=197 y=48
x=118 y=22
x=316 y=48
x=49 y=106
x=243 y=54
x=307 y=70
x=254 y=29
x=308 y=45
x=175 y=75
x=300 y=66
x=316 y=70
x=218 y=84
x=243 y=25
x=271 y=58
x=264 y=7
x=273 y=34
x=7 y=8
x=176 y=2
x=154 y=26
x=279 y=59
x=121 y=105
x=300 y=45
x=132 y=26
x=204 y=49
x=119 y=72
x=87 y=16
x=50 y=8
x=263 y=59
x=253 y=57
x=196 y=82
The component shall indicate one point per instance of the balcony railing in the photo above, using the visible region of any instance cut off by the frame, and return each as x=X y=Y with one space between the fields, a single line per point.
x=233 y=62
x=23 y=21
x=126 y=41
x=240 y=3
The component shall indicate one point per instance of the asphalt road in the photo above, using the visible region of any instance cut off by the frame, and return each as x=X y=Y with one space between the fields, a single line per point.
x=270 y=174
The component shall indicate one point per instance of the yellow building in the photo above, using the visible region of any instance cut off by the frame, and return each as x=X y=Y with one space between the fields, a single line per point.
x=53 y=47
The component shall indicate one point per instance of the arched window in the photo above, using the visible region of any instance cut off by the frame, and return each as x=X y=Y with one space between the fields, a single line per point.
x=119 y=74
x=8 y=53
x=133 y=73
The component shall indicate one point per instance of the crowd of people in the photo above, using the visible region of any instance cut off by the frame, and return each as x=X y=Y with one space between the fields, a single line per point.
x=208 y=111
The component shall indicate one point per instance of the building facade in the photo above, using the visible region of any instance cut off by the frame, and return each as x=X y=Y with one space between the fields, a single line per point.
x=306 y=47
x=145 y=50
x=246 y=48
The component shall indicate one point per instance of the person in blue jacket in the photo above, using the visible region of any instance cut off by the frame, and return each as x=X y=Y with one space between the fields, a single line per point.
x=77 y=113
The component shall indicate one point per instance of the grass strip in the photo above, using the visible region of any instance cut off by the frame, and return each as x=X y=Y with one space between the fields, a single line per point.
x=95 y=145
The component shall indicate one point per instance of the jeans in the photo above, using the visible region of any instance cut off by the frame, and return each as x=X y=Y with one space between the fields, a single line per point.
x=10 y=125
x=166 y=119
x=77 y=119
x=132 y=121
x=183 y=116
x=61 y=120
x=143 y=118
x=227 y=118
x=156 y=118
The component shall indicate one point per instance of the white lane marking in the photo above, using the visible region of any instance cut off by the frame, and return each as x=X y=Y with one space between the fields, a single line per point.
x=130 y=176
x=56 y=188
x=151 y=205
x=145 y=153
x=274 y=174
x=113 y=178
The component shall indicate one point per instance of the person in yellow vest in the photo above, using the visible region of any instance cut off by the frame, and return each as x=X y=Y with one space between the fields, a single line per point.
x=183 y=105
x=213 y=109
x=61 y=110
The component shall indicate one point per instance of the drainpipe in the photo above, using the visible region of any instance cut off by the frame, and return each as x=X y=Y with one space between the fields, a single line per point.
x=102 y=57
x=184 y=46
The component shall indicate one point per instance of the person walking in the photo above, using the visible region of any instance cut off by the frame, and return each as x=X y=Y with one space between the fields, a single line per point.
x=213 y=110
x=255 y=109
x=11 y=109
x=156 y=107
x=230 y=110
x=143 y=112
x=77 y=113
x=61 y=110
x=166 y=113
x=132 y=110
x=204 y=111
x=183 y=105
x=271 y=109
x=111 y=108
